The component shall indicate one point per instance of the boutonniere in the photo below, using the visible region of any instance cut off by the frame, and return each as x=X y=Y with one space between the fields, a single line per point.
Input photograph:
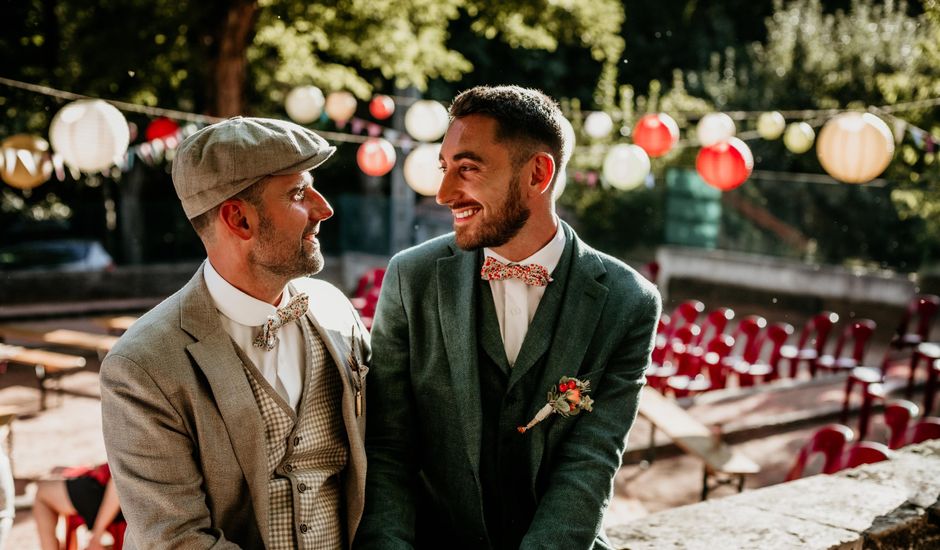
x=358 y=366
x=568 y=398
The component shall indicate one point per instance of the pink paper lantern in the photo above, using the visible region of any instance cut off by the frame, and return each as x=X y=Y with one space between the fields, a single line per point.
x=161 y=128
x=725 y=165
x=376 y=157
x=381 y=107
x=657 y=134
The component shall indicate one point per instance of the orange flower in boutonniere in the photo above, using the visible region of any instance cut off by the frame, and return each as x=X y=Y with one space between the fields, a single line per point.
x=568 y=398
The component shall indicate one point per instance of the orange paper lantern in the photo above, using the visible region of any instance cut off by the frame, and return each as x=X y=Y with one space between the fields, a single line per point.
x=381 y=107
x=725 y=165
x=160 y=128
x=656 y=134
x=376 y=157
x=25 y=161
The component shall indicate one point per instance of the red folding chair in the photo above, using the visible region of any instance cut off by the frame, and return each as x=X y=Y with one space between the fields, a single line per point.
x=858 y=333
x=752 y=368
x=927 y=428
x=830 y=441
x=700 y=369
x=923 y=308
x=73 y=522
x=810 y=345
x=746 y=337
x=668 y=360
x=898 y=415
x=714 y=324
x=865 y=452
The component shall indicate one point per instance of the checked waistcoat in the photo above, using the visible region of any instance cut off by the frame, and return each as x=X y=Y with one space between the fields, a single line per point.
x=307 y=451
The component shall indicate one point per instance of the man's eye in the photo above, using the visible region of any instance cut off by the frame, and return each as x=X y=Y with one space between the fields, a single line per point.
x=299 y=195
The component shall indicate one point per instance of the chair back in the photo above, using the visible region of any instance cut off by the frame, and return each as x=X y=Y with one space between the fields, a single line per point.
x=859 y=333
x=816 y=331
x=715 y=351
x=927 y=428
x=898 y=415
x=746 y=337
x=830 y=441
x=777 y=334
x=865 y=452
x=369 y=280
x=715 y=323
x=923 y=307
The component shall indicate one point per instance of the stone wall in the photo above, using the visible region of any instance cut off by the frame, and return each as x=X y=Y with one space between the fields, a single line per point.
x=892 y=504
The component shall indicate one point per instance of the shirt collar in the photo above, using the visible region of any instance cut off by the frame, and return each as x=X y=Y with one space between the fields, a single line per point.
x=548 y=256
x=235 y=304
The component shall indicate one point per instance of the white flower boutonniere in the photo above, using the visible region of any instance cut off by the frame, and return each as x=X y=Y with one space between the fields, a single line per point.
x=569 y=398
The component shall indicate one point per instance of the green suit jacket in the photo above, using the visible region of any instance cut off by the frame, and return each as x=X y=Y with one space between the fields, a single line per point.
x=424 y=427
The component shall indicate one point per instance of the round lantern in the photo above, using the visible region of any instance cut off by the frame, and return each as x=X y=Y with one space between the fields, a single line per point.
x=89 y=134
x=725 y=165
x=656 y=134
x=381 y=107
x=598 y=125
x=340 y=107
x=160 y=128
x=626 y=166
x=26 y=161
x=423 y=169
x=714 y=128
x=376 y=157
x=305 y=103
x=426 y=120
x=770 y=125
x=799 y=137
x=855 y=147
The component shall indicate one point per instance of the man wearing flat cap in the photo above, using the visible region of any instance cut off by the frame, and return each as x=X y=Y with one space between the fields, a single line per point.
x=234 y=410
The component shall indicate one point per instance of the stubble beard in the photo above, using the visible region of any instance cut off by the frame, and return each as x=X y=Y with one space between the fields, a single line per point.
x=504 y=223
x=271 y=258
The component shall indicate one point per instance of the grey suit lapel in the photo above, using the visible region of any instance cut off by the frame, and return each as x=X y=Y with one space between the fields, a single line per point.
x=456 y=279
x=214 y=353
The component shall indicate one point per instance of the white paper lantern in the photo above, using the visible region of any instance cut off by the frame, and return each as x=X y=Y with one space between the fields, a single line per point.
x=89 y=134
x=598 y=125
x=304 y=104
x=426 y=120
x=855 y=147
x=799 y=137
x=626 y=166
x=770 y=125
x=423 y=169
x=715 y=128
x=340 y=107
x=561 y=180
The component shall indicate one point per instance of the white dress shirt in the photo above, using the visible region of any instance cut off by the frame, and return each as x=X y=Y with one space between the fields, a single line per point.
x=515 y=301
x=242 y=316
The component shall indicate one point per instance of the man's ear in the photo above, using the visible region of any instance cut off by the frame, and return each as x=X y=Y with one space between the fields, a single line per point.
x=237 y=218
x=543 y=171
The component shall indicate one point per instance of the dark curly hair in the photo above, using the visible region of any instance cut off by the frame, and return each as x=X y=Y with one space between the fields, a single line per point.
x=527 y=117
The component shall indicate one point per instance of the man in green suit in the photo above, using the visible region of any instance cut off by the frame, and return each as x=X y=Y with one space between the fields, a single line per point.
x=475 y=328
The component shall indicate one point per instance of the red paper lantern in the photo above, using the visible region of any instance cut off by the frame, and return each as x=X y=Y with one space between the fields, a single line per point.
x=656 y=134
x=381 y=107
x=725 y=165
x=376 y=157
x=161 y=128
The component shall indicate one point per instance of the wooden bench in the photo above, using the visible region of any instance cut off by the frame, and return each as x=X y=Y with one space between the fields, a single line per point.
x=693 y=437
x=101 y=343
x=49 y=365
x=117 y=325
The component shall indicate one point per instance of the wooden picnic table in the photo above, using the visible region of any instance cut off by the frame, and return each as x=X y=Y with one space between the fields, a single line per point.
x=696 y=439
x=101 y=343
x=49 y=365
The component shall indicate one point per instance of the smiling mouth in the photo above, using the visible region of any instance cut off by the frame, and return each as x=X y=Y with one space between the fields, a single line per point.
x=465 y=214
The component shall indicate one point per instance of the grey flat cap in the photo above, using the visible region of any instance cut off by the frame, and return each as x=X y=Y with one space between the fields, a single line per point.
x=221 y=160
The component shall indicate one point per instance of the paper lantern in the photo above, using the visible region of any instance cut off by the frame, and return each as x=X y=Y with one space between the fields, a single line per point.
x=89 y=134
x=725 y=165
x=598 y=125
x=376 y=157
x=304 y=104
x=26 y=161
x=426 y=120
x=381 y=107
x=855 y=147
x=714 y=128
x=770 y=125
x=626 y=166
x=423 y=169
x=567 y=149
x=799 y=137
x=657 y=134
x=340 y=107
x=160 y=128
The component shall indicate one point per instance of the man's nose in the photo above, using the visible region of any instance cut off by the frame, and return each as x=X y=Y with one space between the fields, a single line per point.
x=320 y=209
x=445 y=194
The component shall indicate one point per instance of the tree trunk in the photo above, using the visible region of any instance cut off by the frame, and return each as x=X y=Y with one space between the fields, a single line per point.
x=231 y=66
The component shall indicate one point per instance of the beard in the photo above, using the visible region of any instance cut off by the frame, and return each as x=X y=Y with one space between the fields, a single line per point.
x=278 y=255
x=501 y=225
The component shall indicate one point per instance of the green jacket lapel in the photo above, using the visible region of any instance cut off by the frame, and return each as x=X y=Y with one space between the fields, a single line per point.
x=456 y=279
x=491 y=340
x=215 y=354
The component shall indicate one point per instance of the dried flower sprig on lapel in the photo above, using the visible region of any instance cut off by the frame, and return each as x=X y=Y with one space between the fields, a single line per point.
x=568 y=398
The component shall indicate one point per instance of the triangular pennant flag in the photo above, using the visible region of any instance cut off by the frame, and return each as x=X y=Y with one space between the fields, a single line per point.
x=10 y=155
x=374 y=130
x=355 y=126
x=59 y=167
x=28 y=159
x=899 y=129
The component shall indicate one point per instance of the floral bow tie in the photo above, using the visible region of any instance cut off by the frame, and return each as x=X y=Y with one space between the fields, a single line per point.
x=295 y=309
x=530 y=274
